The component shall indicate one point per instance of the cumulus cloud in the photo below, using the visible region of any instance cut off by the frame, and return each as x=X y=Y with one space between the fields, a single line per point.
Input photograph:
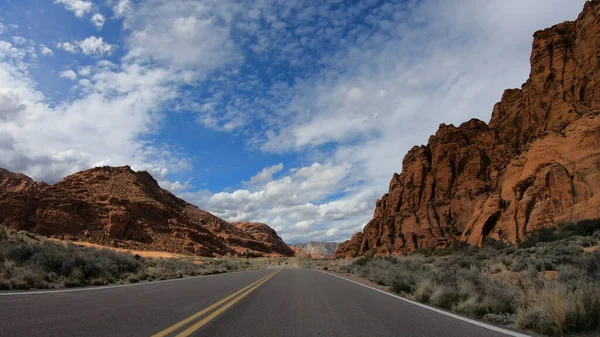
x=94 y=45
x=79 y=7
x=69 y=74
x=266 y=174
x=10 y=106
x=122 y=7
x=118 y=106
x=85 y=71
x=296 y=204
x=98 y=20
x=182 y=34
x=46 y=51
x=19 y=40
x=67 y=46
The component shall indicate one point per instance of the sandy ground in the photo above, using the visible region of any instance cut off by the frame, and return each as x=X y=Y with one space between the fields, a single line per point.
x=591 y=249
x=141 y=253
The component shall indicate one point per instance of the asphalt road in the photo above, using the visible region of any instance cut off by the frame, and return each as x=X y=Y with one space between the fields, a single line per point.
x=276 y=302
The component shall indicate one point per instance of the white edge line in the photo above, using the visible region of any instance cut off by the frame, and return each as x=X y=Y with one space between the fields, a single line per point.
x=39 y=292
x=468 y=320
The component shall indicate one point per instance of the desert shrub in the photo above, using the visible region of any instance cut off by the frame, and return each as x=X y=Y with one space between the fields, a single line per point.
x=543 y=264
x=495 y=267
x=555 y=309
x=4 y=284
x=361 y=261
x=34 y=280
x=71 y=283
x=406 y=281
x=490 y=243
x=98 y=267
x=19 y=284
x=563 y=231
x=424 y=290
x=591 y=264
x=98 y=281
x=133 y=279
x=581 y=228
x=444 y=297
x=20 y=253
x=422 y=251
x=498 y=297
x=49 y=258
x=569 y=274
x=586 y=302
x=542 y=235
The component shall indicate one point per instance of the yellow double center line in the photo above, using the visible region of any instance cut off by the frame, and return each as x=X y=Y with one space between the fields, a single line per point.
x=229 y=300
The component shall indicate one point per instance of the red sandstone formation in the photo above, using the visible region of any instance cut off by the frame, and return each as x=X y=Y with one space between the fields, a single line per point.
x=117 y=206
x=536 y=164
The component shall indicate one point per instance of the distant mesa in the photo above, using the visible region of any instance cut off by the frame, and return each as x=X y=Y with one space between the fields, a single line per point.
x=534 y=165
x=315 y=249
x=116 y=206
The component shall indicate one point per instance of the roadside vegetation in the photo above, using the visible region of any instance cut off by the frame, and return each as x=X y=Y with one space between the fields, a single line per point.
x=28 y=261
x=548 y=284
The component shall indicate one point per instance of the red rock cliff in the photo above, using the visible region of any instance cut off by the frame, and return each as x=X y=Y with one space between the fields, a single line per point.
x=266 y=235
x=117 y=206
x=536 y=163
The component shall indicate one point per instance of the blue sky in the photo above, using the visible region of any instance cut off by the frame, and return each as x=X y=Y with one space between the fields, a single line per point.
x=293 y=113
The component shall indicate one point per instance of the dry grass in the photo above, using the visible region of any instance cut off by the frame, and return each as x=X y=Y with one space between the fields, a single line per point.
x=142 y=253
x=28 y=261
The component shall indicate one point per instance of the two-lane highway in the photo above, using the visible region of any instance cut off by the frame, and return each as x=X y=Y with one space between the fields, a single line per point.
x=273 y=302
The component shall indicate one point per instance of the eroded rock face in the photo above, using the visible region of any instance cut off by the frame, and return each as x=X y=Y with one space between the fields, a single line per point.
x=266 y=236
x=536 y=164
x=315 y=249
x=117 y=206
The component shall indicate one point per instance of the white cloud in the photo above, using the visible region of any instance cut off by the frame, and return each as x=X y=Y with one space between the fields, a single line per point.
x=297 y=203
x=122 y=7
x=266 y=174
x=106 y=121
x=19 y=40
x=182 y=34
x=79 y=7
x=9 y=51
x=69 y=74
x=98 y=20
x=85 y=71
x=67 y=46
x=46 y=51
x=94 y=45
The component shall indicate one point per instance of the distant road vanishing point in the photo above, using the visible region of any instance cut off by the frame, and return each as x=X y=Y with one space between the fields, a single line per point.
x=273 y=302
